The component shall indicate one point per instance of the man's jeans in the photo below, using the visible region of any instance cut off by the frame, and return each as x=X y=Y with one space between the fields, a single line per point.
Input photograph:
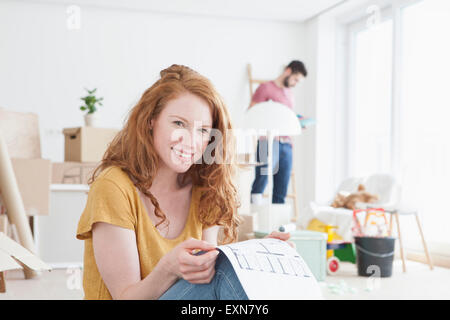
x=224 y=286
x=282 y=165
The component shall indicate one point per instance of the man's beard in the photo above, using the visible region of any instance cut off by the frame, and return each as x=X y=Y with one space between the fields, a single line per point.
x=286 y=81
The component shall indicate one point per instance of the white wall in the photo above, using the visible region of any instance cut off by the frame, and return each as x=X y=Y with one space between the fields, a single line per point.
x=45 y=66
x=318 y=152
x=325 y=157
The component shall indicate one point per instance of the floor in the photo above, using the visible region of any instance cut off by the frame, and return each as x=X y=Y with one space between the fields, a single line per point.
x=418 y=283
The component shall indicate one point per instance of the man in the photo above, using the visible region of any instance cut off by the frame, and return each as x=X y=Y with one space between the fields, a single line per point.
x=278 y=90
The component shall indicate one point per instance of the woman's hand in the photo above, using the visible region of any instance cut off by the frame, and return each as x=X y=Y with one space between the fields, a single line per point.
x=281 y=236
x=196 y=269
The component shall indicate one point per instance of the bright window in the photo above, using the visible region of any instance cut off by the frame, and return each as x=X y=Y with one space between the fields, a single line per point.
x=425 y=114
x=409 y=138
x=371 y=109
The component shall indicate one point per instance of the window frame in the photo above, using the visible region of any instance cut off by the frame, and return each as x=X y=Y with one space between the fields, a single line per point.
x=352 y=30
x=391 y=11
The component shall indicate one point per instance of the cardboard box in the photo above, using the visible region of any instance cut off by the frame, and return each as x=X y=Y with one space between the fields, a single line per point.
x=21 y=134
x=87 y=144
x=33 y=178
x=246 y=229
x=13 y=254
x=72 y=172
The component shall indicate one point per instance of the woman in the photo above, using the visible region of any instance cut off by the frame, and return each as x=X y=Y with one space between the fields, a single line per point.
x=157 y=198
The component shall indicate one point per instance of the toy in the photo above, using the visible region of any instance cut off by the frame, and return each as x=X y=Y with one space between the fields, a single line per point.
x=305 y=122
x=333 y=262
x=375 y=223
x=319 y=226
x=349 y=200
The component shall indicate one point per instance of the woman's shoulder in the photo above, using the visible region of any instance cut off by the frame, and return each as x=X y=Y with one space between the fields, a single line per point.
x=116 y=176
x=110 y=200
x=112 y=172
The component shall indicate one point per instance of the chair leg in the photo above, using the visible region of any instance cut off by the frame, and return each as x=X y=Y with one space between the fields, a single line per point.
x=427 y=254
x=4 y=223
x=391 y=224
x=294 y=192
x=2 y=282
x=402 y=253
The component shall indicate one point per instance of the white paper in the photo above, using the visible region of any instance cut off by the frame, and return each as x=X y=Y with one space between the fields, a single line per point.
x=270 y=269
x=8 y=263
x=12 y=248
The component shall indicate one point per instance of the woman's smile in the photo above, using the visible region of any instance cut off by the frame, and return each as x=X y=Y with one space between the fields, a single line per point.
x=182 y=155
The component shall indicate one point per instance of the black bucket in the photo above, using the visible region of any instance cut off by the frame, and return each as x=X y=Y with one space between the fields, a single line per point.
x=374 y=256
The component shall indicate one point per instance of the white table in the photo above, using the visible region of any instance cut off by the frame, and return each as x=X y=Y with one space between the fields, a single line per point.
x=55 y=234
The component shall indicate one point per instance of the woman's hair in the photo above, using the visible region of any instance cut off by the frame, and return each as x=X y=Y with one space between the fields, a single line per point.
x=133 y=149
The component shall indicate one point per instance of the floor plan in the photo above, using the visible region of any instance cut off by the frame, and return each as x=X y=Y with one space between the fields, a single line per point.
x=271 y=269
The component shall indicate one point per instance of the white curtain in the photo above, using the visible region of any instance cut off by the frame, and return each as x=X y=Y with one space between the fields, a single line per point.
x=425 y=115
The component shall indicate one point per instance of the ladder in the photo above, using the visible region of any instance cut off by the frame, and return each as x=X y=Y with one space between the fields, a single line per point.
x=291 y=195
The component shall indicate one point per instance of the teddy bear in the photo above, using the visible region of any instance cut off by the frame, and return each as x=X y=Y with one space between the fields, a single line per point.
x=349 y=200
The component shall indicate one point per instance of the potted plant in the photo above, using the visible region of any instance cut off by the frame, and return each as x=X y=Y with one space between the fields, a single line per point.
x=90 y=104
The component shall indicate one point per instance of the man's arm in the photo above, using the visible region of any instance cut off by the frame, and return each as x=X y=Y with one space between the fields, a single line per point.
x=252 y=103
x=260 y=95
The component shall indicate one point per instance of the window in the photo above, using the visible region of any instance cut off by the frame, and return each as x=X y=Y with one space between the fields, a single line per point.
x=371 y=109
x=406 y=56
x=425 y=114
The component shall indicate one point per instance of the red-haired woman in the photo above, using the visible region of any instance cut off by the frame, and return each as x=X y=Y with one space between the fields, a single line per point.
x=160 y=194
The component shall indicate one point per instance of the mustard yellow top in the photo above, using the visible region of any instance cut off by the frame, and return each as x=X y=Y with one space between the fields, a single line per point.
x=114 y=199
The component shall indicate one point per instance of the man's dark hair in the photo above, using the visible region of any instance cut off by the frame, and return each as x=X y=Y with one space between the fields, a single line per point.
x=297 y=67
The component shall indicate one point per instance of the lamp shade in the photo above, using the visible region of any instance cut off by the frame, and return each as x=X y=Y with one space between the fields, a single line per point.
x=272 y=116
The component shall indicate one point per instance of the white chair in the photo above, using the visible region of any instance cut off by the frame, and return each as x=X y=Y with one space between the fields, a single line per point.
x=389 y=193
x=340 y=217
x=349 y=185
x=387 y=190
x=405 y=212
x=383 y=185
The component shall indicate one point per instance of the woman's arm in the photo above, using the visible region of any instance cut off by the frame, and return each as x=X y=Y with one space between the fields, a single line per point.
x=117 y=260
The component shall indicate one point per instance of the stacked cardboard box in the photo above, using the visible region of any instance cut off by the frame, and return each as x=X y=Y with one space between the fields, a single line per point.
x=87 y=144
x=27 y=182
x=20 y=131
x=72 y=172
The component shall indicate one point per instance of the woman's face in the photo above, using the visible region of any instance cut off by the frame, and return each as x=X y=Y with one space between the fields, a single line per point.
x=181 y=131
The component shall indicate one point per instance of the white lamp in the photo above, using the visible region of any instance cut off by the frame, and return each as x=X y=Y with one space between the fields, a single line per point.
x=271 y=119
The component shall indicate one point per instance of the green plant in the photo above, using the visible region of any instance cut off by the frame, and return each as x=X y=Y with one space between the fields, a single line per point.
x=90 y=102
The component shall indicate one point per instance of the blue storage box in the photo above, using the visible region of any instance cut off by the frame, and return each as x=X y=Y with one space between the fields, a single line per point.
x=312 y=247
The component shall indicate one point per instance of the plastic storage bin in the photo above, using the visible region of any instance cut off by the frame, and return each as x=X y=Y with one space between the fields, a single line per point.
x=312 y=246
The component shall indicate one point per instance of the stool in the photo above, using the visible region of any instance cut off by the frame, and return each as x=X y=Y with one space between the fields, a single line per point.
x=402 y=253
